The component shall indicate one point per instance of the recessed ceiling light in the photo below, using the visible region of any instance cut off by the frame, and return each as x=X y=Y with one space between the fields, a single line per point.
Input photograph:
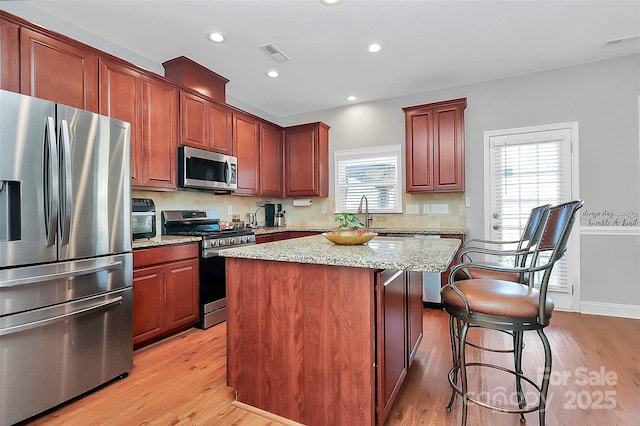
x=351 y=98
x=273 y=74
x=330 y=2
x=375 y=47
x=216 y=37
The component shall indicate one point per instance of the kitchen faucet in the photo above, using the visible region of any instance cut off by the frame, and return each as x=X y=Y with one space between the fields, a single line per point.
x=367 y=217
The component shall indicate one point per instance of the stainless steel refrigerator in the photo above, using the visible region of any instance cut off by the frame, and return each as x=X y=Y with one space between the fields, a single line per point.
x=65 y=254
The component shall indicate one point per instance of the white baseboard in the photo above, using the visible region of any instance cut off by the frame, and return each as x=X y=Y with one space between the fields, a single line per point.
x=610 y=309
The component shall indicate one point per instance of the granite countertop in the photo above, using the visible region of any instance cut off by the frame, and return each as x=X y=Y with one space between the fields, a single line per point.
x=417 y=231
x=163 y=240
x=411 y=254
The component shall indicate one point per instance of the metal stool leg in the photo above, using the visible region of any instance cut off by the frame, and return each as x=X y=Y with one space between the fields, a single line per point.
x=517 y=357
x=453 y=325
x=544 y=387
x=462 y=338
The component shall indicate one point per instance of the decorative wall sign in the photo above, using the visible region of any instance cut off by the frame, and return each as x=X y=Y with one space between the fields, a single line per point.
x=609 y=218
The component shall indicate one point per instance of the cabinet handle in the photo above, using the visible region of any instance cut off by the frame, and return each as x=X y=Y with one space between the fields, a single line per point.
x=393 y=277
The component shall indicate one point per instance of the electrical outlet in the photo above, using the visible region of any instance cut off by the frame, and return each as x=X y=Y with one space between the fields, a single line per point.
x=324 y=209
x=229 y=209
x=426 y=208
x=413 y=209
x=439 y=208
x=467 y=202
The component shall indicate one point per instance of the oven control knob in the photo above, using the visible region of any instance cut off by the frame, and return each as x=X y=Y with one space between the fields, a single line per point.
x=213 y=243
x=221 y=242
x=243 y=240
x=232 y=241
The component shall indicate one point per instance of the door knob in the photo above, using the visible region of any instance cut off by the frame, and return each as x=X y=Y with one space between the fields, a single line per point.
x=496 y=227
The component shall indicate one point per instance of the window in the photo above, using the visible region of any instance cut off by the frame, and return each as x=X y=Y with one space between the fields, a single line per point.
x=372 y=172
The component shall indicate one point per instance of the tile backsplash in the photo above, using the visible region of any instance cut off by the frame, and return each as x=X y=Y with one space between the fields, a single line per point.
x=313 y=216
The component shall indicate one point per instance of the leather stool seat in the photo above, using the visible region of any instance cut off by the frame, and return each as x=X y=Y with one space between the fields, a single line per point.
x=497 y=297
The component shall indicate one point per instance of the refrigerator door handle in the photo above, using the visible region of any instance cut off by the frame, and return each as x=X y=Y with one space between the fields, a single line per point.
x=51 y=182
x=13 y=282
x=58 y=318
x=65 y=184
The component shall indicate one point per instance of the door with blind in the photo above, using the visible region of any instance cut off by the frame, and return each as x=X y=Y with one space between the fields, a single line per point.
x=524 y=168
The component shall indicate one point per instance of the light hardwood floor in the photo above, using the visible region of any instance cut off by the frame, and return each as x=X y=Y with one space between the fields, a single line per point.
x=181 y=381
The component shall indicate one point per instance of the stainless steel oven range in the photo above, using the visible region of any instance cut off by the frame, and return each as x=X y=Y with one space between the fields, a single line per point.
x=206 y=224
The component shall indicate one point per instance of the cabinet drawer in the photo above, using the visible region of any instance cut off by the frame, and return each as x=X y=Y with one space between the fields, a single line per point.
x=157 y=255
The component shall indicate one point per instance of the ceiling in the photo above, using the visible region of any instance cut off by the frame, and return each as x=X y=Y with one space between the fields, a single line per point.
x=426 y=45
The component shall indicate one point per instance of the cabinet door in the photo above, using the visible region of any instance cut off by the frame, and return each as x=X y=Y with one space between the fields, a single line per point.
x=193 y=116
x=247 y=149
x=182 y=294
x=307 y=160
x=220 y=128
x=58 y=71
x=148 y=303
x=448 y=148
x=392 y=338
x=159 y=134
x=271 y=161
x=419 y=151
x=9 y=56
x=121 y=98
x=414 y=307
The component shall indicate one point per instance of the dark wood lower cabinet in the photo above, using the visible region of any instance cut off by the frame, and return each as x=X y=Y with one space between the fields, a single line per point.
x=165 y=291
x=279 y=236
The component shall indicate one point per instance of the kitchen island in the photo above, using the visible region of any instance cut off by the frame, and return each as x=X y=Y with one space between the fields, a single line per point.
x=324 y=334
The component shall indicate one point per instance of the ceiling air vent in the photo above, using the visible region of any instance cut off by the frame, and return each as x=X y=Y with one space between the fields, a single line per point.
x=274 y=53
x=621 y=40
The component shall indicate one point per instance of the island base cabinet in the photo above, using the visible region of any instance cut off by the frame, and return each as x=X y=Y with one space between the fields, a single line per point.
x=318 y=344
x=300 y=340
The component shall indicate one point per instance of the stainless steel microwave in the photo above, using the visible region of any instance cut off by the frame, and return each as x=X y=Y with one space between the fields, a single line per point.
x=200 y=169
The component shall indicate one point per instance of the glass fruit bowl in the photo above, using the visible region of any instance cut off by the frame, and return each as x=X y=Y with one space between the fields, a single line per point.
x=350 y=237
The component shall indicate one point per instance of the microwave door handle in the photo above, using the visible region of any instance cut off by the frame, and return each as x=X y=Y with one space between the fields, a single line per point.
x=65 y=184
x=50 y=182
x=227 y=172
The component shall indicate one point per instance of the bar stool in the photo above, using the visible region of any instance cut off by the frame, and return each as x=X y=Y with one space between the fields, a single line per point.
x=510 y=306
x=529 y=238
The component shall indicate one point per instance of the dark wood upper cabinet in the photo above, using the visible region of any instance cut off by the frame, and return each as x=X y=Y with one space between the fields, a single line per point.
x=121 y=98
x=435 y=146
x=57 y=71
x=205 y=125
x=9 y=54
x=151 y=106
x=307 y=160
x=271 y=151
x=246 y=146
x=159 y=134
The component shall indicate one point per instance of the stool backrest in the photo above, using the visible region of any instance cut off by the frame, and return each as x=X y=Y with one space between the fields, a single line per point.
x=553 y=243
x=532 y=232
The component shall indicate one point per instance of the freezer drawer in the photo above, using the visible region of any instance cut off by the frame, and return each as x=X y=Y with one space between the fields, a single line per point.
x=53 y=354
x=33 y=287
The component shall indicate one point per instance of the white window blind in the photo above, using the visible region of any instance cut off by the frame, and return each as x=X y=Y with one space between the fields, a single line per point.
x=372 y=172
x=528 y=172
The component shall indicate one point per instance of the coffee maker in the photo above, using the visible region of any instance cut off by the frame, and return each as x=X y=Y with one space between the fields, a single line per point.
x=273 y=215
x=270 y=214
